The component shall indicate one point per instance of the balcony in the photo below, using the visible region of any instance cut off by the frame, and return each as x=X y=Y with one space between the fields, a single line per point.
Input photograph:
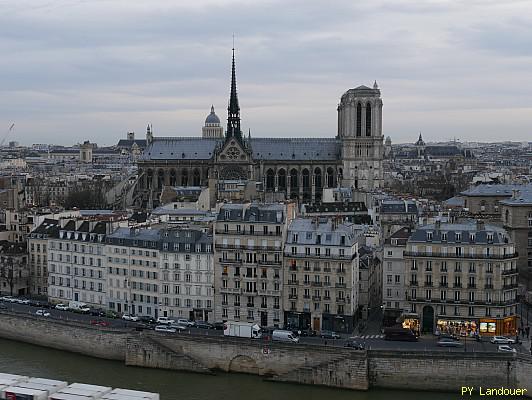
x=276 y=306
x=228 y=261
x=317 y=284
x=306 y=296
x=316 y=298
x=413 y=283
x=316 y=269
x=488 y=286
x=471 y=286
x=428 y=284
x=510 y=286
x=340 y=270
x=293 y=268
x=231 y=290
x=340 y=300
x=327 y=298
x=443 y=284
x=509 y=271
x=306 y=283
x=292 y=296
x=290 y=282
x=466 y=256
x=250 y=305
x=326 y=270
x=236 y=304
x=457 y=285
x=264 y=306
x=340 y=285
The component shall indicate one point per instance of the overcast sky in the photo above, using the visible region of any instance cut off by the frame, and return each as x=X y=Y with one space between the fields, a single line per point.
x=74 y=70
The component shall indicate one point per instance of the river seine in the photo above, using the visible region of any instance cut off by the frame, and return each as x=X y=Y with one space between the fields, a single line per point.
x=25 y=359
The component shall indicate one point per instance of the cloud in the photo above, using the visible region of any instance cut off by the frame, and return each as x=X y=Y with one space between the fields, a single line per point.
x=77 y=70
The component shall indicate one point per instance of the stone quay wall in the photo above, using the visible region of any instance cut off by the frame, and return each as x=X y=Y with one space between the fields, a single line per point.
x=306 y=364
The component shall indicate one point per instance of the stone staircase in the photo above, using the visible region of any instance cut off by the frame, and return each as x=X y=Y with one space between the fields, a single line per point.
x=145 y=351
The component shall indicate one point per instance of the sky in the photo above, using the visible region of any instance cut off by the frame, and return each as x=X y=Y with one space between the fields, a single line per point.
x=75 y=70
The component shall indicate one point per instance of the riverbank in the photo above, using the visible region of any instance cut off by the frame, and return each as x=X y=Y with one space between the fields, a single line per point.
x=313 y=365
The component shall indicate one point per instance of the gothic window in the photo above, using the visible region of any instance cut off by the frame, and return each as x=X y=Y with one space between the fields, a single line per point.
x=330 y=177
x=196 y=178
x=317 y=177
x=160 y=179
x=293 y=180
x=282 y=179
x=270 y=179
x=184 y=177
x=359 y=119
x=173 y=180
x=233 y=153
x=306 y=179
x=368 y=119
x=150 y=178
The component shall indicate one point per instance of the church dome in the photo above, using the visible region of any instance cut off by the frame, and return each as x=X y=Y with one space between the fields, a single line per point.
x=212 y=118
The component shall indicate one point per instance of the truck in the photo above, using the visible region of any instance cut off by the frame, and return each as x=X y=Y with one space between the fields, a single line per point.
x=78 y=306
x=242 y=329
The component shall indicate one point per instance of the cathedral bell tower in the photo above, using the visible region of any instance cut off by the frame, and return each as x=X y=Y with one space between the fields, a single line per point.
x=360 y=130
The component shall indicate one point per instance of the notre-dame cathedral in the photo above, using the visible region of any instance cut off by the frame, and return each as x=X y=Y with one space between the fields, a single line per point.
x=285 y=168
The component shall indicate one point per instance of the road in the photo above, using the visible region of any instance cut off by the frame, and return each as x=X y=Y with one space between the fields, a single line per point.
x=370 y=341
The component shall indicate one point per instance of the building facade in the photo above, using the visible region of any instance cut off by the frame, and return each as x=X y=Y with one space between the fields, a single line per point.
x=161 y=272
x=14 y=270
x=287 y=168
x=77 y=268
x=321 y=275
x=248 y=268
x=38 y=255
x=462 y=278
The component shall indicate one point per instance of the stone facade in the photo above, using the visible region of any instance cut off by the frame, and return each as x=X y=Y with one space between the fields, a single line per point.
x=248 y=269
x=38 y=256
x=462 y=278
x=321 y=275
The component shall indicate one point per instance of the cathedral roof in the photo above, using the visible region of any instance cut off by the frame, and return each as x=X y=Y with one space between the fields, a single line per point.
x=197 y=148
x=295 y=149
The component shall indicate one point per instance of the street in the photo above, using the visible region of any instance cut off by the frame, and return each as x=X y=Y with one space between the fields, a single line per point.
x=371 y=341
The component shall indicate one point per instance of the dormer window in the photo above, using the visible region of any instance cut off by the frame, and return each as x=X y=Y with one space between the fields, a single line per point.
x=471 y=237
x=458 y=236
x=489 y=237
x=444 y=236
x=429 y=236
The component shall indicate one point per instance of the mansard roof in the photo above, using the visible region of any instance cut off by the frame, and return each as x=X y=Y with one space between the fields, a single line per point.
x=197 y=148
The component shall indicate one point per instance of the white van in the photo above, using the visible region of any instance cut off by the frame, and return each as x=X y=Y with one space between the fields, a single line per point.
x=284 y=336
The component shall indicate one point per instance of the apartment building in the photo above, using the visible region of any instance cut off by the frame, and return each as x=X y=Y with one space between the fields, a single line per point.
x=14 y=273
x=462 y=278
x=76 y=262
x=370 y=282
x=248 y=271
x=394 y=277
x=38 y=255
x=396 y=214
x=517 y=219
x=161 y=272
x=321 y=273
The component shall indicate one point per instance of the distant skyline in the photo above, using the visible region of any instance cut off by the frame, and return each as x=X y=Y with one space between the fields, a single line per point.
x=76 y=70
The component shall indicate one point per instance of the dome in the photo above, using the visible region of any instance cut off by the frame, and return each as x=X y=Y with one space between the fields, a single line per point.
x=212 y=118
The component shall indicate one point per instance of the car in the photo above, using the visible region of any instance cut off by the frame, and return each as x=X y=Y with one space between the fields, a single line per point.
x=329 y=335
x=99 y=322
x=219 y=326
x=129 y=317
x=165 y=329
x=96 y=312
x=204 y=325
x=35 y=303
x=502 y=340
x=178 y=327
x=353 y=344
x=307 y=332
x=42 y=313
x=62 y=307
x=9 y=299
x=111 y=314
x=146 y=319
x=449 y=342
x=186 y=322
x=22 y=301
x=507 y=348
x=165 y=321
x=449 y=336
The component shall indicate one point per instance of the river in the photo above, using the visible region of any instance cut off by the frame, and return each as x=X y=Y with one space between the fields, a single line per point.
x=26 y=359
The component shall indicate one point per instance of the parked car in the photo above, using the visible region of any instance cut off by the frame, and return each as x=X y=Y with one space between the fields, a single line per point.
x=204 y=325
x=141 y=326
x=146 y=319
x=99 y=322
x=507 y=348
x=35 y=303
x=22 y=301
x=97 y=312
x=219 y=326
x=42 y=313
x=186 y=322
x=111 y=314
x=129 y=317
x=329 y=335
x=165 y=328
x=307 y=332
x=502 y=340
x=449 y=342
x=9 y=299
x=62 y=307
x=353 y=344
x=178 y=327
x=284 y=336
x=165 y=321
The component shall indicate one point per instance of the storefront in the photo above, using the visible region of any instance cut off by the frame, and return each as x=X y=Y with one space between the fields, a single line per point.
x=411 y=321
x=498 y=326
x=297 y=320
x=458 y=327
x=338 y=323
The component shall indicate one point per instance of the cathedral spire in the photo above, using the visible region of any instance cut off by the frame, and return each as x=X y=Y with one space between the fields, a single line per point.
x=233 y=110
